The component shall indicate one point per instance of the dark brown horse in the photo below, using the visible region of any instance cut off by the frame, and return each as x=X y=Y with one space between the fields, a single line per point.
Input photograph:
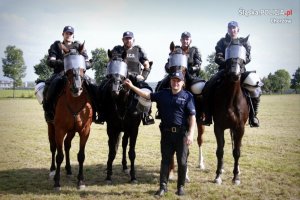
x=73 y=113
x=176 y=51
x=122 y=116
x=230 y=109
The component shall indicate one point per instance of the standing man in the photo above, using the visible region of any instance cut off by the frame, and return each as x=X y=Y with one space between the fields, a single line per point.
x=177 y=127
x=232 y=34
x=55 y=60
x=139 y=68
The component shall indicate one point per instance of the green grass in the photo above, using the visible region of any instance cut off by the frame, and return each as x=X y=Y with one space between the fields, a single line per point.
x=269 y=163
x=18 y=93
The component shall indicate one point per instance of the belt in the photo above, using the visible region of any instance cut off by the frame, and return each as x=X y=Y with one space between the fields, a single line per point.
x=175 y=129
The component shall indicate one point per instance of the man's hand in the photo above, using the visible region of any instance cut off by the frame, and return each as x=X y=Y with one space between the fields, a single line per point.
x=128 y=83
x=189 y=139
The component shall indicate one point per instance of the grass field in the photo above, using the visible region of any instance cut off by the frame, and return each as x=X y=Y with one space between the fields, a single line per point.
x=269 y=163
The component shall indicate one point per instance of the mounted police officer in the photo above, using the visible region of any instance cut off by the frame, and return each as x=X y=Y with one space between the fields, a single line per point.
x=139 y=68
x=55 y=61
x=223 y=43
x=192 y=70
x=177 y=127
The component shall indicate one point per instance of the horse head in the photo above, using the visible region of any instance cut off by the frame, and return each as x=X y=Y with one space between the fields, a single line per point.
x=116 y=70
x=235 y=57
x=177 y=59
x=75 y=67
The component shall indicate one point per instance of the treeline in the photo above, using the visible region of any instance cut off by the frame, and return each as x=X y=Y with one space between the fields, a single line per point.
x=14 y=68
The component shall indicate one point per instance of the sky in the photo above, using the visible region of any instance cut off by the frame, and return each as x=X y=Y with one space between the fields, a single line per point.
x=273 y=26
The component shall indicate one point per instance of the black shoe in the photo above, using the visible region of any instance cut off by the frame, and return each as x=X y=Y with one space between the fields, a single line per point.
x=161 y=192
x=254 y=122
x=180 y=191
x=148 y=120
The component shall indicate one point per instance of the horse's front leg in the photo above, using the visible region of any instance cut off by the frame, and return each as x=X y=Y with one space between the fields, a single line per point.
x=81 y=157
x=59 y=138
x=51 y=137
x=67 y=146
x=200 y=129
x=113 y=143
x=219 y=134
x=132 y=155
x=237 y=138
x=124 y=156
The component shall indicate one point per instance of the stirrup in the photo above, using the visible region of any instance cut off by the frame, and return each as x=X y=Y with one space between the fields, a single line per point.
x=157 y=115
x=148 y=120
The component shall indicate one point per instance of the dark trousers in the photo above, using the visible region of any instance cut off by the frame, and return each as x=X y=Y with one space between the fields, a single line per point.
x=169 y=144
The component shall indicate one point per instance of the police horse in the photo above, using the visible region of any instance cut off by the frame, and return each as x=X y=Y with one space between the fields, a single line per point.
x=230 y=107
x=120 y=106
x=178 y=61
x=73 y=113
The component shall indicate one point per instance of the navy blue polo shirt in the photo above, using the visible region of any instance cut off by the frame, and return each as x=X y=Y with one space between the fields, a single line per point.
x=174 y=108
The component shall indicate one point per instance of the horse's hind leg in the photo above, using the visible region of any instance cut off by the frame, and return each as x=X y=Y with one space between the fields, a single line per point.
x=237 y=138
x=200 y=129
x=51 y=137
x=124 y=147
x=132 y=155
x=67 y=145
x=219 y=153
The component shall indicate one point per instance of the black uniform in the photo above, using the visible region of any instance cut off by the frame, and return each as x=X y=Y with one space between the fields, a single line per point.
x=175 y=110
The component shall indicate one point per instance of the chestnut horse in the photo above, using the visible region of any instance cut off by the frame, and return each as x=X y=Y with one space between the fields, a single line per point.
x=230 y=109
x=73 y=113
x=165 y=83
x=122 y=116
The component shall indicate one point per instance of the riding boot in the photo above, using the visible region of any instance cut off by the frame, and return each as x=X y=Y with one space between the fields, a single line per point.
x=147 y=118
x=48 y=106
x=254 y=122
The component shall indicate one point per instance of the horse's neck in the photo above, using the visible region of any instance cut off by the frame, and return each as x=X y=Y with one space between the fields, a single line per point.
x=234 y=91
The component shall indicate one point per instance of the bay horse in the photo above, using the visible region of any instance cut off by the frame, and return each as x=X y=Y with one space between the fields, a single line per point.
x=122 y=115
x=73 y=113
x=165 y=83
x=230 y=108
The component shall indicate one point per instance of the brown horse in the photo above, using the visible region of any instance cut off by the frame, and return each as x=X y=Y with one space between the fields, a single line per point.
x=73 y=113
x=165 y=83
x=230 y=109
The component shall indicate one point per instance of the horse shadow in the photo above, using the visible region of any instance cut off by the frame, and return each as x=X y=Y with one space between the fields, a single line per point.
x=36 y=180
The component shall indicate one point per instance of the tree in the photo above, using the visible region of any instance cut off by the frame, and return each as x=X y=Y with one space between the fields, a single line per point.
x=14 y=65
x=295 y=82
x=100 y=60
x=267 y=87
x=42 y=70
x=283 y=79
x=212 y=67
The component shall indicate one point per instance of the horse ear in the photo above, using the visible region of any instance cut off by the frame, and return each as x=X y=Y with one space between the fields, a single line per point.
x=150 y=63
x=172 y=46
x=109 y=53
x=81 y=47
x=246 y=39
x=64 y=48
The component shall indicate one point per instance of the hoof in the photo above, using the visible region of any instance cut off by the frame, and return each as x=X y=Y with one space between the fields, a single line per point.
x=57 y=189
x=51 y=174
x=126 y=171
x=236 y=182
x=201 y=166
x=134 y=181
x=172 y=176
x=81 y=187
x=108 y=182
x=187 y=180
x=218 y=181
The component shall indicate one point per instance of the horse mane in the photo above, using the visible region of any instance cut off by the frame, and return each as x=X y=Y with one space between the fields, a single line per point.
x=116 y=53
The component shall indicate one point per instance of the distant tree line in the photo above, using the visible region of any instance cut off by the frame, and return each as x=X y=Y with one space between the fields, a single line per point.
x=14 y=68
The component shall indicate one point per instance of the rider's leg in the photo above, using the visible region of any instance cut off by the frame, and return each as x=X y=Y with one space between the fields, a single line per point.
x=254 y=122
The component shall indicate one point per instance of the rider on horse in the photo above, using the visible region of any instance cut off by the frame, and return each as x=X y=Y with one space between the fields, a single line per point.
x=55 y=83
x=194 y=62
x=139 y=68
x=223 y=43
